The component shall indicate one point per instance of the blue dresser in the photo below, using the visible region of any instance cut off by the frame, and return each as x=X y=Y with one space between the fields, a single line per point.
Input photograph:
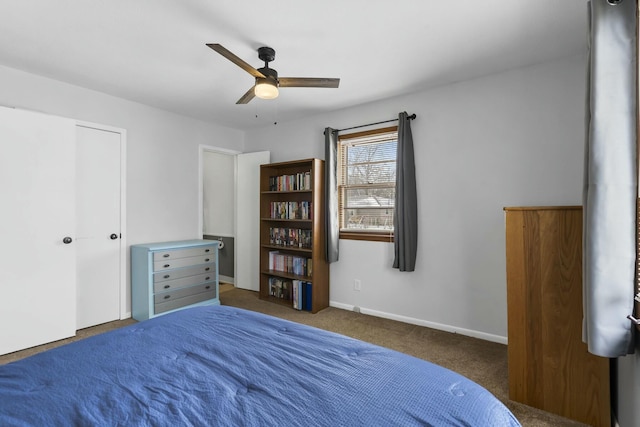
x=170 y=276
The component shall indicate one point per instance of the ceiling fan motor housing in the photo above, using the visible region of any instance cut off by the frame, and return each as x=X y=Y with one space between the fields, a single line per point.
x=266 y=54
x=269 y=73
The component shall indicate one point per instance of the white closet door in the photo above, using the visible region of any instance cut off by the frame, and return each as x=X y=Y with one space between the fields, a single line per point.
x=98 y=226
x=247 y=268
x=37 y=278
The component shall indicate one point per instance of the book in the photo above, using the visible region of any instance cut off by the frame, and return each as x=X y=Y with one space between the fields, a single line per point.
x=299 y=181
x=297 y=294
x=307 y=297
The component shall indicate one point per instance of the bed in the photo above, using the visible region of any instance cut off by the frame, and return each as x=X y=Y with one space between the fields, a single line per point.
x=224 y=366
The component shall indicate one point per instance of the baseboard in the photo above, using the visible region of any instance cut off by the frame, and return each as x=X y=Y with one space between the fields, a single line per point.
x=419 y=322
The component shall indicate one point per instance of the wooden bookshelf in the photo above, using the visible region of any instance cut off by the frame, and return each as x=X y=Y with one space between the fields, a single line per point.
x=292 y=231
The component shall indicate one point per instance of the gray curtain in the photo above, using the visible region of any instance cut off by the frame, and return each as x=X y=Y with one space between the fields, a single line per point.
x=610 y=179
x=406 y=215
x=332 y=228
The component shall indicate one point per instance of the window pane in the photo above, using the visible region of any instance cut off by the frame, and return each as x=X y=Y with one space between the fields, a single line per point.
x=374 y=197
x=379 y=151
x=369 y=173
x=369 y=219
x=369 y=209
x=367 y=176
x=371 y=163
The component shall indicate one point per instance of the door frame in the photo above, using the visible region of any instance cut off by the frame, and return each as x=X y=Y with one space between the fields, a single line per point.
x=125 y=313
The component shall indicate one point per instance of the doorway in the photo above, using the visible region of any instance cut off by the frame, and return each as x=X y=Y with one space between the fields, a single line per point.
x=233 y=198
x=218 y=208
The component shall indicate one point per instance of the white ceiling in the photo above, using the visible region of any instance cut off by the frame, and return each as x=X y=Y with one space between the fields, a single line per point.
x=153 y=51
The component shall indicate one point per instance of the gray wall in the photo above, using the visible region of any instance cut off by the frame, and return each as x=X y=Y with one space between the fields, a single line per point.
x=226 y=256
x=508 y=139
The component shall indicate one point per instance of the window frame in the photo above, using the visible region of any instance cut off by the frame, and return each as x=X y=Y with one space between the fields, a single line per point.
x=368 y=235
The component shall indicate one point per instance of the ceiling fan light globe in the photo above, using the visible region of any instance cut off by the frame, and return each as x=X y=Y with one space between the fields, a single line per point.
x=265 y=89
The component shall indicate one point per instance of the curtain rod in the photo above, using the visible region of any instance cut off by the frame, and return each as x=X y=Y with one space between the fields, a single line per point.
x=411 y=117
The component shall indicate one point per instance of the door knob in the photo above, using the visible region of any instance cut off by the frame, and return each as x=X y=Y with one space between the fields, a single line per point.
x=67 y=240
x=113 y=236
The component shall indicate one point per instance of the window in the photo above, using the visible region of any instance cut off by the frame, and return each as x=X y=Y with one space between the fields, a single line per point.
x=366 y=184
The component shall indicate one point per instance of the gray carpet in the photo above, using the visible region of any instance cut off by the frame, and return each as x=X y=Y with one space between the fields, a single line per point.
x=482 y=361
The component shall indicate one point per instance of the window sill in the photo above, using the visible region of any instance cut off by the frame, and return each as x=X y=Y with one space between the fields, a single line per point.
x=373 y=237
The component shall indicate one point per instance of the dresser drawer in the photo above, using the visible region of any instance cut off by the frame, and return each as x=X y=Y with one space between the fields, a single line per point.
x=183 y=272
x=182 y=262
x=166 y=285
x=183 y=302
x=183 y=292
x=182 y=253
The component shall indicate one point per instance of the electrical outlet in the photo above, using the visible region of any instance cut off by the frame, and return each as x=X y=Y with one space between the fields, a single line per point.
x=357 y=285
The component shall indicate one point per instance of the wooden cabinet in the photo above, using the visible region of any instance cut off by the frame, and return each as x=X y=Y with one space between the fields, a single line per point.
x=170 y=276
x=549 y=365
x=292 y=234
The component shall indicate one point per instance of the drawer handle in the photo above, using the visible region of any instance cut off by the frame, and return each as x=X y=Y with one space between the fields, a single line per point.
x=166 y=276
x=167 y=265
x=167 y=296
x=208 y=287
x=207 y=250
x=207 y=269
x=166 y=255
x=167 y=286
x=206 y=260
x=207 y=278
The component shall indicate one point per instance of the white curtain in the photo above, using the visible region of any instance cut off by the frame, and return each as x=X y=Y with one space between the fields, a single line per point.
x=610 y=179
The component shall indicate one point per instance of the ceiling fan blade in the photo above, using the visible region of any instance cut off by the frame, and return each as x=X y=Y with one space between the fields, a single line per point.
x=308 y=82
x=244 y=99
x=233 y=58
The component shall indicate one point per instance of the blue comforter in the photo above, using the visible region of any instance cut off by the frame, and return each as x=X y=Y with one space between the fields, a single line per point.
x=223 y=366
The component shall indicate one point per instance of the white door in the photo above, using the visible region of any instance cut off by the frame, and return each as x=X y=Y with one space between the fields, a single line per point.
x=98 y=226
x=247 y=268
x=37 y=192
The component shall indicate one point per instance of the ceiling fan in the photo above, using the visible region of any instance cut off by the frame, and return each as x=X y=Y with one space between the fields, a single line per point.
x=267 y=81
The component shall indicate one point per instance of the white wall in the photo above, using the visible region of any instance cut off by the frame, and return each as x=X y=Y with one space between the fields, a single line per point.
x=162 y=151
x=508 y=139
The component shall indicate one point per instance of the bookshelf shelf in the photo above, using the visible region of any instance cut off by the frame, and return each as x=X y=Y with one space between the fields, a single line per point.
x=286 y=275
x=287 y=248
x=292 y=234
x=286 y=192
x=287 y=220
